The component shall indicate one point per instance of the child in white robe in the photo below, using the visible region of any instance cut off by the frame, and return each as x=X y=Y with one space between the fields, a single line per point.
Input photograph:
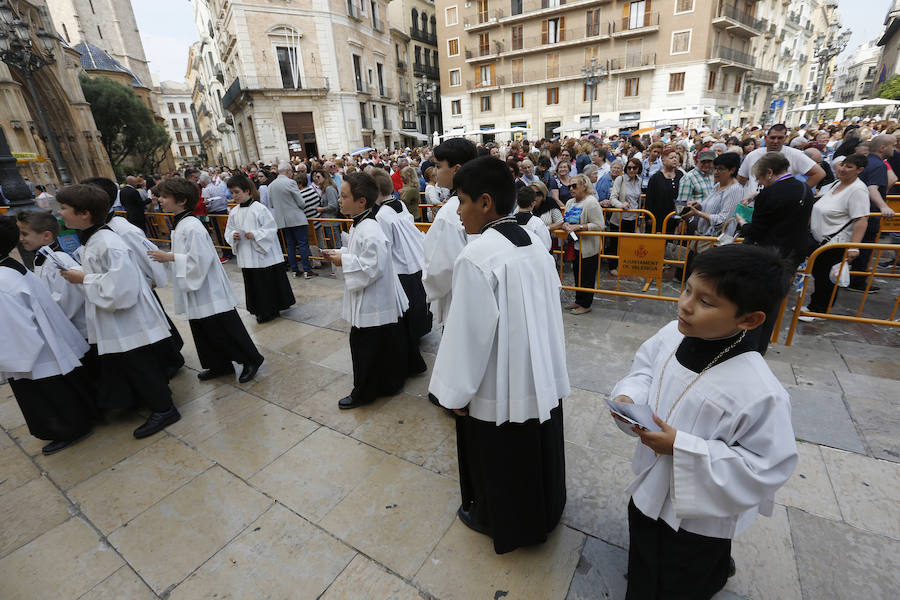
x=202 y=290
x=36 y=230
x=41 y=353
x=374 y=301
x=501 y=367
x=124 y=320
x=446 y=237
x=406 y=251
x=155 y=273
x=253 y=235
x=726 y=442
x=524 y=205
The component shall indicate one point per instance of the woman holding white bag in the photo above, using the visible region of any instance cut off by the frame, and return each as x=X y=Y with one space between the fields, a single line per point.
x=840 y=215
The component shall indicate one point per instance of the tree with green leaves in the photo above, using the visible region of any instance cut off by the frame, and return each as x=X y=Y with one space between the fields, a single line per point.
x=890 y=89
x=126 y=125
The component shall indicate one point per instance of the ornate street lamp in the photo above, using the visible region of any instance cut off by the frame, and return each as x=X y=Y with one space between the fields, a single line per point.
x=18 y=51
x=828 y=46
x=592 y=74
x=425 y=92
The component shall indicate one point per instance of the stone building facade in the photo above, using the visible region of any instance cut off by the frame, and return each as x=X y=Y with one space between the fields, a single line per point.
x=175 y=106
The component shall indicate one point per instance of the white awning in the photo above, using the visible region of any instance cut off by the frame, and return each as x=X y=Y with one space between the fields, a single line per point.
x=415 y=134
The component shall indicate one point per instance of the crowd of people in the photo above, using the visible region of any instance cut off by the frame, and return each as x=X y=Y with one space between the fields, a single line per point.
x=89 y=334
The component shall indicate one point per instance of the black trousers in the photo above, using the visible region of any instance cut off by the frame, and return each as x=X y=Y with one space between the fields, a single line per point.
x=664 y=564
x=138 y=377
x=222 y=339
x=588 y=272
x=58 y=408
x=861 y=262
x=818 y=302
x=174 y=357
x=267 y=290
x=380 y=360
x=512 y=478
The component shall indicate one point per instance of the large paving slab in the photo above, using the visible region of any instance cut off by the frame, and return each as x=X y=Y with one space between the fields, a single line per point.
x=822 y=418
x=875 y=405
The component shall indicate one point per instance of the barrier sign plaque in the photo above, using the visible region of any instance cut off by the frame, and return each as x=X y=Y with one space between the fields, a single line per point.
x=641 y=257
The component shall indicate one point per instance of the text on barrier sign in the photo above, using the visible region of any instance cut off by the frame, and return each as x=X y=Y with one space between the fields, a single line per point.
x=641 y=257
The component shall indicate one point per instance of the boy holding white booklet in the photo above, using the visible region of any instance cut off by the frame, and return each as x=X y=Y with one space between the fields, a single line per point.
x=723 y=441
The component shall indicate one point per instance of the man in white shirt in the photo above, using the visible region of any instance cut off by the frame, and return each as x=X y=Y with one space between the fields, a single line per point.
x=800 y=162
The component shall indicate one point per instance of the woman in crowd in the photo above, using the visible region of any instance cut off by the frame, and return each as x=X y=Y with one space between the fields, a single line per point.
x=562 y=180
x=527 y=176
x=663 y=189
x=546 y=210
x=626 y=193
x=409 y=195
x=711 y=213
x=840 y=215
x=748 y=145
x=583 y=213
x=328 y=207
x=432 y=192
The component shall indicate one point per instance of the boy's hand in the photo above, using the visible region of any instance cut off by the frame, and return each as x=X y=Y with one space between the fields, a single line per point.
x=236 y=236
x=249 y=235
x=333 y=257
x=73 y=275
x=161 y=256
x=624 y=399
x=660 y=442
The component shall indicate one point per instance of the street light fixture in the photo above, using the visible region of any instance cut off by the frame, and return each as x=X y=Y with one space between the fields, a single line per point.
x=425 y=92
x=828 y=47
x=592 y=74
x=18 y=51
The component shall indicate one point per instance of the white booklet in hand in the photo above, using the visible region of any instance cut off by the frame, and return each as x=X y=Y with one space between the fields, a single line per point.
x=636 y=414
x=47 y=253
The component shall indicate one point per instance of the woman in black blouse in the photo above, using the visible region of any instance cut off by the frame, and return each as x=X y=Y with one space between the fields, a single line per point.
x=662 y=190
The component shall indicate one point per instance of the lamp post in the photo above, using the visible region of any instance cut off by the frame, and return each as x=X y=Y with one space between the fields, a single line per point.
x=828 y=46
x=592 y=74
x=425 y=92
x=18 y=51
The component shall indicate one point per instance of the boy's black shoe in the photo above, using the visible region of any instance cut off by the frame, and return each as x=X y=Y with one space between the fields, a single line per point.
x=348 y=402
x=266 y=319
x=54 y=447
x=173 y=370
x=210 y=374
x=250 y=370
x=157 y=422
x=732 y=568
x=433 y=399
x=466 y=517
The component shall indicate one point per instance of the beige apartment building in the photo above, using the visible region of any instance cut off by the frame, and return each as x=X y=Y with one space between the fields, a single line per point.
x=518 y=63
x=306 y=78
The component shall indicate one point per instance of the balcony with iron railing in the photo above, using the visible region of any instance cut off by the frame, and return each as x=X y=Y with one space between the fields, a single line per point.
x=564 y=38
x=737 y=21
x=792 y=20
x=420 y=70
x=483 y=84
x=632 y=62
x=404 y=96
x=423 y=36
x=763 y=76
x=433 y=106
x=639 y=24
x=401 y=65
x=385 y=92
x=731 y=57
x=408 y=125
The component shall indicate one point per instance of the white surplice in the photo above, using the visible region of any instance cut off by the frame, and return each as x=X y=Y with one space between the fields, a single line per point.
x=734 y=447
x=373 y=295
x=536 y=226
x=66 y=295
x=406 y=239
x=444 y=241
x=137 y=242
x=264 y=250
x=503 y=351
x=200 y=287
x=38 y=339
x=122 y=313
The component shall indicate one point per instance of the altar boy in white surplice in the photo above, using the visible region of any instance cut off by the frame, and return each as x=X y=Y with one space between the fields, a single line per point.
x=501 y=366
x=726 y=442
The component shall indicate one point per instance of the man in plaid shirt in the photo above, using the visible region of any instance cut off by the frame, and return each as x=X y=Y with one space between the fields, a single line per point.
x=698 y=183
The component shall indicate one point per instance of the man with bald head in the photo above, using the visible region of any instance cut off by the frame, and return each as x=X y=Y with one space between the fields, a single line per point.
x=816 y=155
x=133 y=204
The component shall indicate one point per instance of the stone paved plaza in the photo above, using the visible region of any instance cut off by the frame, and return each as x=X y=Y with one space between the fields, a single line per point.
x=266 y=490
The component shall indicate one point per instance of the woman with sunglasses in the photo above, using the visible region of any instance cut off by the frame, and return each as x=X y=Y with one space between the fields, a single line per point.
x=583 y=213
x=625 y=193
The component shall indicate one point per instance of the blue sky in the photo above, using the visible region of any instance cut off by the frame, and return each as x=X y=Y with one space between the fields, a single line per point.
x=167 y=30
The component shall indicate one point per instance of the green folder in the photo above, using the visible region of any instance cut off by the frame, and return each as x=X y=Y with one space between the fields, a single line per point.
x=745 y=212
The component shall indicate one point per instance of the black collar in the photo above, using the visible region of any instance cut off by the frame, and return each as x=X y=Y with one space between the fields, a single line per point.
x=177 y=218
x=85 y=234
x=11 y=263
x=247 y=203
x=522 y=217
x=395 y=204
x=696 y=353
x=510 y=229
x=369 y=213
x=39 y=259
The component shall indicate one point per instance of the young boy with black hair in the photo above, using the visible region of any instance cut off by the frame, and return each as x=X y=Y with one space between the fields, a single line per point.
x=155 y=273
x=202 y=290
x=41 y=353
x=124 y=320
x=725 y=442
x=501 y=366
x=38 y=229
x=446 y=237
x=524 y=205
x=374 y=301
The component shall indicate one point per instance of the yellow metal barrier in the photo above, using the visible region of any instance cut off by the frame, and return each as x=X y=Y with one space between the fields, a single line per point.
x=877 y=249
